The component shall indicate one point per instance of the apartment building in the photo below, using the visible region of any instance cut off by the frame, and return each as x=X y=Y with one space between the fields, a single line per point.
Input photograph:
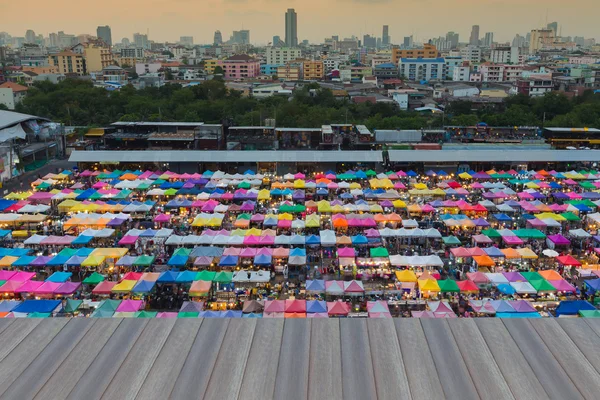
x=427 y=51
x=68 y=62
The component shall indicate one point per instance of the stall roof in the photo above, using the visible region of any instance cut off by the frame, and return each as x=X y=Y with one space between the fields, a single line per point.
x=493 y=155
x=225 y=156
x=89 y=357
x=124 y=123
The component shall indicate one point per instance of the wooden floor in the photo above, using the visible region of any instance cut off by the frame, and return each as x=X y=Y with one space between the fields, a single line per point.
x=488 y=358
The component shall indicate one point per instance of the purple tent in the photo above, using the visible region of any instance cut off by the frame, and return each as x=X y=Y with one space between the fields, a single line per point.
x=298 y=194
x=559 y=240
x=481 y=222
x=514 y=276
x=41 y=261
x=560 y=195
x=68 y=288
x=115 y=222
x=522 y=306
x=481 y=175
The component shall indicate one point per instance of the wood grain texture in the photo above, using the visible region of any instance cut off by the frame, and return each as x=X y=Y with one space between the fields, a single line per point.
x=325 y=365
x=292 y=370
x=584 y=337
x=357 y=366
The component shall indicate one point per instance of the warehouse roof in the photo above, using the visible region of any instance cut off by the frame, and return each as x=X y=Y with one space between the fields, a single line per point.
x=500 y=155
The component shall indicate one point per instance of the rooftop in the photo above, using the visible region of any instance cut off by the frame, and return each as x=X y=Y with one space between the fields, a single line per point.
x=14 y=86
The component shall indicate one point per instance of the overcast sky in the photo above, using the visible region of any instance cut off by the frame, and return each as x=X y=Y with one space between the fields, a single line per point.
x=167 y=20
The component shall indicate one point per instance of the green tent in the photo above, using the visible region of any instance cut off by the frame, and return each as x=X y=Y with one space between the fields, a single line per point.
x=144 y=186
x=542 y=285
x=286 y=208
x=589 y=313
x=205 y=276
x=244 y=185
x=532 y=276
x=170 y=192
x=379 y=252
x=491 y=233
x=529 y=234
x=448 y=285
x=144 y=261
x=569 y=216
x=72 y=305
x=371 y=173
x=109 y=305
x=223 y=277
x=245 y=216
x=38 y=315
x=44 y=185
x=298 y=208
x=346 y=176
x=587 y=185
x=450 y=240
x=103 y=313
x=146 y=314
x=95 y=196
x=158 y=182
x=67 y=252
x=122 y=195
x=182 y=251
x=187 y=314
x=94 y=279
x=2 y=283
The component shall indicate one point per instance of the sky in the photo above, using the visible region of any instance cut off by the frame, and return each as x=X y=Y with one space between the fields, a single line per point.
x=167 y=20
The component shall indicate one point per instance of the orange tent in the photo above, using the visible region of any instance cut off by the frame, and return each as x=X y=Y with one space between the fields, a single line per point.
x=484 y=261
x=340 y=223
x=510 y=253
x=550 y=275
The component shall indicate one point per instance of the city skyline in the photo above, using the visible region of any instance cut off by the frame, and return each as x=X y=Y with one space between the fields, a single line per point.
x=360 y=18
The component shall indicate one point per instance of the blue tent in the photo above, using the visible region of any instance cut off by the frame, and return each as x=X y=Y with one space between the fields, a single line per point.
x=143 y=287
x=411 y=173
x=8 y=305
x=82 y=239
x=84 y=252
x=502 y=217
x=186 y=276
x=4 y=232
x=298 y=252
x=231 y=314
x=361 y=175
x=207 y=252
x=41 y=306
x=518 y=315
x=276 y=192
x=493 y=252
x=359 y=239
x=59 y=277
x=24 y=261
x=322 y=192
x=313 y=239
x=502 y=306
x=315 y=286
x=58 y=260
x=297 y=240
x=263 y=259
x=346 y=195
x=86 y=194
x=572 y=307
x=168 y=277
x=148 y=233
x=4 y=204
x=582 y=207
x=441 y=172
x=177 y=261
x=506 y=288
x=316 y=306
x=209 y=314
x=252 y=315
x=593 y=284
x=228 y=261
x=75 y=261
x=554 y=185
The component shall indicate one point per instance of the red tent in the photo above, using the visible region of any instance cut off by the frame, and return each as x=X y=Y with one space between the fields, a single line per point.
x=568 y=260
x=273 y=306
x=467 y=286
x=337 y=308
x=295 y=306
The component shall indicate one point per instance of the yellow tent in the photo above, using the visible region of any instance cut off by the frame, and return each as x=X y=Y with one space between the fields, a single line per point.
x=116 y=252
x=399 y=204
x=406 y=276
x=264 y=194
x=299 y=184
x=21 y=233
x=286 y=216
x=553 y=216
x=527 y=253
x=93 y=261
x=7 y=261
x=464 y=175
x=313 y=221
x=124 y=286
x=238 y=232
x=420 y=186
x=323 y=206
x=355 y=185
x=428 y=285
x=253 y=232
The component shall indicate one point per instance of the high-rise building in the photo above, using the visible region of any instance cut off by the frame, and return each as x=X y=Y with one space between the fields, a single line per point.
x=186 y=41
x=370 y=42
x=291 y=28
x=218 y=38
x=474 y=39
x=125 y=42
x=452 y=39
x=539 y=39
x=489 y=39
x=579 y=40
x=141 y=40
x=104 y=33
x=554 y=27
x=240 y=37
x=29 y=36
x=408 y=42
x=385 y=37
x=277 y=41
x=53 y=40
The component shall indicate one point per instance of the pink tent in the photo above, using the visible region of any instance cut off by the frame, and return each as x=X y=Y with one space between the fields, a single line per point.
x=482 y=239
x=536 y=223
x=253 y=240
x=337 y=308
x=478 y=277
x=203 y=261
x=128 y=240
x=267 y=240
x=47 y=287
x=563 y=286
x=232 y=251
x=166 y=315
x=132 y=276
x=274 y=306
x=281 y=252
x=6 y=275
x=22 y=276
x=248 y=252
x=525 y=196
x=295 y=306
x=130 y=306
x=354 y=287
x=440 y=306
x=162 y=218
x=399 y=185
x=346 y=252
x=284 y=223
x=317 y=315
x=559 y=240
x=29 y=287
x=68 y=288
x=512 y=240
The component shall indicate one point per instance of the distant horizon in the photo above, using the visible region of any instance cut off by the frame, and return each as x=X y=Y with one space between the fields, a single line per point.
x=316 y=21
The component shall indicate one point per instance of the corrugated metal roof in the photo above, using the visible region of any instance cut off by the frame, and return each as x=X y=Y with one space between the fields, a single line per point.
x=9 y=118
x=225 y=156
x=500 y=155
x=405 y=358
x=124 y=123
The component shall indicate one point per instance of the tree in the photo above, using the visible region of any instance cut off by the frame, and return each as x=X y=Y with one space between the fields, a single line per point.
x=3 y=107
x=218 y=70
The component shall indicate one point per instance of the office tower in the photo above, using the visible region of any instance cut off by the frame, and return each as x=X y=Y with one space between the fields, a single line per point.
x=218 y=38
x=379 y=43
x=474 y=39
x=452 y=39
x=540 y=38
x=53 y=40
x=240 y=37
x=408 y=42
x=291 y=28
x=125 y=42
x=186 y=41
x=29 y=36
x=369 y=41
x=336 y=38
x=104 y=33
x=579 y=40
x=489 y=39
x=385 y=37
x=553 y=26
x=141 y=41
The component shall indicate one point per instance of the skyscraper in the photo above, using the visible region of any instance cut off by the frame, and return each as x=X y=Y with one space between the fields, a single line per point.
x=474 y=39
x=218 y=38
x=29 y=36
x=408 y=42
x=186 y=41
x=452 y=39
x=489 y=39
x=291 y=28
x=104 y=33
x=240 y=37
x=369 y=41
x=141 y=41
x=385 y=37
x=554 y=27
x=277 y=41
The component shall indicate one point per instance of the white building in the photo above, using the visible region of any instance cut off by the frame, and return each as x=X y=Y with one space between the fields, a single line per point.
x=11 y=94
x=471 y=54
x=451 y=63
x=419 y=69
x=492 y=72
x=147 y=68
x=505 y=55
x=461 y=74
x=282 y=55
x=263 y=91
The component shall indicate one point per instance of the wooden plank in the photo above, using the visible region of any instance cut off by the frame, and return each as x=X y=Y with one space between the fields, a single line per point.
x=15 y=333
x=358 y=381
x=584 y=337
x=549 y=372
x=28 y=349
x=232 y=359
x=422 y=375
x=261 y=368
x=39 y=371
x=451 y=368
x=292 y=369
x=162 y=377
x=5 y=323
x=517 y=372
x=593 y=323
x=131 y=375
x=325 y=364
x=574 y=363
x=195 y=375
x=480 y=362
x=97 y=377
x=63 y=380
x=388 y=365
